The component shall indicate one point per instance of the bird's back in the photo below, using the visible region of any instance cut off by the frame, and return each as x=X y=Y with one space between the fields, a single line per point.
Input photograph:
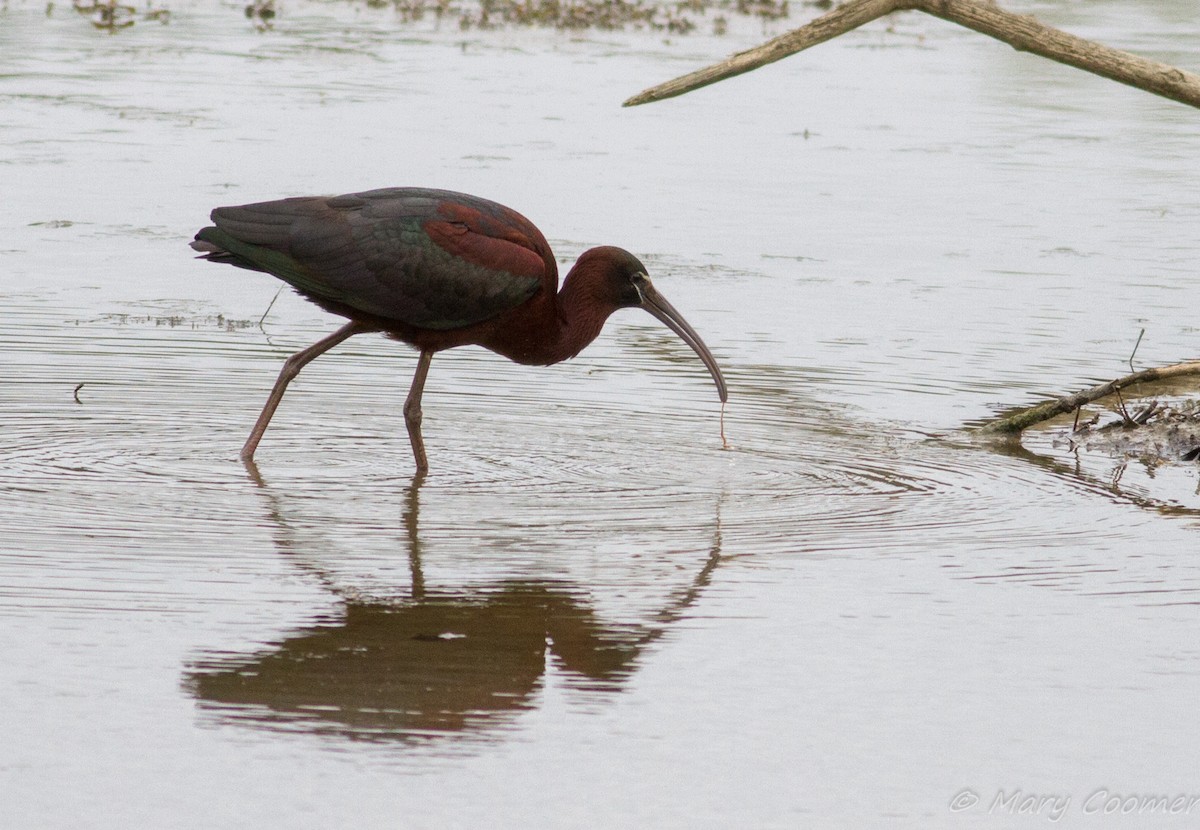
x=426 y=258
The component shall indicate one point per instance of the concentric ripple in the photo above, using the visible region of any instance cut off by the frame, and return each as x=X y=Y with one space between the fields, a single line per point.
x=618 y=453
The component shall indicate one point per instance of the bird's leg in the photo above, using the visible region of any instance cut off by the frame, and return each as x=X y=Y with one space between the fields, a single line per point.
x=412 y=410
x=291 y=368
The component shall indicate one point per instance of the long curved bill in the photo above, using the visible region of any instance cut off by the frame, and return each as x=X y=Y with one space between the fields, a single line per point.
x=657 y=305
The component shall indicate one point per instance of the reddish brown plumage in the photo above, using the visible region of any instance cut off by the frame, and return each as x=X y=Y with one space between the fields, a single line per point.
x=547 y=328
x=436 y=270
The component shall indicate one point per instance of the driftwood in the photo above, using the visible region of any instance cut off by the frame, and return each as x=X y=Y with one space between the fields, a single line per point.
x=1017 y=421
x=1022 y=32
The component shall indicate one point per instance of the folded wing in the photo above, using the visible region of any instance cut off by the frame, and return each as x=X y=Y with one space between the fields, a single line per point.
x=427 y=258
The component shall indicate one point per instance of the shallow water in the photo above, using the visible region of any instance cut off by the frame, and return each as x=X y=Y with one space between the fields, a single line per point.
x=590 y=613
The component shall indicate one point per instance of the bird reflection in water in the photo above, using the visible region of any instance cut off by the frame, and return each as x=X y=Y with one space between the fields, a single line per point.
x=433 y=665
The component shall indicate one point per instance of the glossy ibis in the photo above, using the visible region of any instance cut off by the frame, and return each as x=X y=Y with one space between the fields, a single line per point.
x=436 y=270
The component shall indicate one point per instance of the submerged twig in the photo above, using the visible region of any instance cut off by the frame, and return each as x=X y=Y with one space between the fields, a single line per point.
x=1141 y=334
x=270 y=305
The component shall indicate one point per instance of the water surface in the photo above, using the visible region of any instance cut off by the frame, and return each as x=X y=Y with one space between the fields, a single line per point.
x=590 y=613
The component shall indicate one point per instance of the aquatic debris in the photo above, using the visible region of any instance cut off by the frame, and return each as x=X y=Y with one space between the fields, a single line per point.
x=1156 y=434
x=193 y=321
x=1014 y=422
x=672 y=17
x=261 y=13
x=562 y=14
x=111 y=15
x=1157 y=431
x=766 y=9
x=53 y=223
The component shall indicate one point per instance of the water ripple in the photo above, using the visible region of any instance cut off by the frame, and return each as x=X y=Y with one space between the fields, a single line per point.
x=620 y=450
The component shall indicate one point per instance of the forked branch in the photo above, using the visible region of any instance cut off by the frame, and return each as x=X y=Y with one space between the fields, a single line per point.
x=1022 y=32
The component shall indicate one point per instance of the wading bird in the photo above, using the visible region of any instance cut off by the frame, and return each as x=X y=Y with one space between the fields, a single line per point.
x=434 y=269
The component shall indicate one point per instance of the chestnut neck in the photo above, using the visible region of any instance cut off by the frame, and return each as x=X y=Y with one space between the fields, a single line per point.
x=583 y=306
x=568 y=321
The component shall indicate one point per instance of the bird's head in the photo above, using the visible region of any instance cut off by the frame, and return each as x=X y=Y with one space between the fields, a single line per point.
x=626 y=285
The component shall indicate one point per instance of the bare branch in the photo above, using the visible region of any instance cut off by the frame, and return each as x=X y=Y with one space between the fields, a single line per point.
x=1021 y=419
x=837 y=22
x=1022 y=32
